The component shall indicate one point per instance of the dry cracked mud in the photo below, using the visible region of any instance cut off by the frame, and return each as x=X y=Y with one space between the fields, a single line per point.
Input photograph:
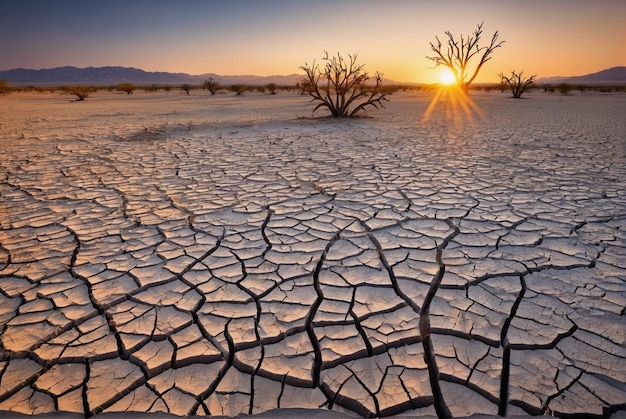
x=379 y=266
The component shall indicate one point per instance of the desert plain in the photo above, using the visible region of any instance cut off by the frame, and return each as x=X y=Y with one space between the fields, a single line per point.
x=229 y=255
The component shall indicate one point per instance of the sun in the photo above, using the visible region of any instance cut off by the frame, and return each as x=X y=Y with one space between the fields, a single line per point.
x=447 y=77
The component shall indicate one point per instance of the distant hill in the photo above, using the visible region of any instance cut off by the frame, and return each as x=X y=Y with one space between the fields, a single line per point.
x=109 y=76
x=106 y=76
x=611 y=76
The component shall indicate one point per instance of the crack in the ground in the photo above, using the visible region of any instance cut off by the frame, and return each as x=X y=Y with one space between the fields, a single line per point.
x=383 y=257
x=506 y=347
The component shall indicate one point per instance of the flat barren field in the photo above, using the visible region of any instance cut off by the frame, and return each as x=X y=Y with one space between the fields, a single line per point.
x=229 y=255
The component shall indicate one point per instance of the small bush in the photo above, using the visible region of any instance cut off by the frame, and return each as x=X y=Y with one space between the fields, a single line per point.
x=564 y=88
x=238 y=88
x=186 y=88
x=81 y=92
x=126 y=87
x=211 y=85
x=548 y=88
x=5 y=89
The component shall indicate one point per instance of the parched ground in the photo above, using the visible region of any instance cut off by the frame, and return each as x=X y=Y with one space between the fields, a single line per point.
x=231 y=255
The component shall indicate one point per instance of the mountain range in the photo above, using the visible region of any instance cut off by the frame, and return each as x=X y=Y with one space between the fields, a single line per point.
x=611 y=76
x=107 y=76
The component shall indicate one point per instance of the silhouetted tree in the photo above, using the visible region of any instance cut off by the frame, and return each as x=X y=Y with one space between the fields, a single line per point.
x=211 y=85
x=342 y=86
x=459 y=52
x=272 y=88
x=517 y=82
x=186 y=88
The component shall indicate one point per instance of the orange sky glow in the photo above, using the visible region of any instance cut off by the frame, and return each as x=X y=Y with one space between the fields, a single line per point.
x=547 y=38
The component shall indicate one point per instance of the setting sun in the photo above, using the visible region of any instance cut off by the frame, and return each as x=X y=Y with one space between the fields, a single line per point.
x=447 y=77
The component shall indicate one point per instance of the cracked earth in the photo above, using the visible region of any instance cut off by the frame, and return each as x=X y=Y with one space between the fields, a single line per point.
x=220 y=256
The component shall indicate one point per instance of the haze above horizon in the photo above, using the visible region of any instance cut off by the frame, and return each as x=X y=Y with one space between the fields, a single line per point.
x=271 y=37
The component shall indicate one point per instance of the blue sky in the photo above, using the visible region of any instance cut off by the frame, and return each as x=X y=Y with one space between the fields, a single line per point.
x=267 y=37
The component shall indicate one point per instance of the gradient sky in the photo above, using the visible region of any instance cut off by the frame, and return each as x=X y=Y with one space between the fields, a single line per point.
x=275 y=37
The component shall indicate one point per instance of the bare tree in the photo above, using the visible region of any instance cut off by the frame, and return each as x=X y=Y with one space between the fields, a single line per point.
x=211 y=85
x=517 y=82
x=342 y=86
x=459 y=52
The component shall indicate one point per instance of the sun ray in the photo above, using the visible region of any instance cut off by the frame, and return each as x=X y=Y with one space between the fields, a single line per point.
x=457 y=105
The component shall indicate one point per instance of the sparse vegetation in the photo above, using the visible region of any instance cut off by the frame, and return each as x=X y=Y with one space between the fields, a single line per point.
x=272 y=88
x=81 y=92
x=564 y=88
x=126 y=87
x=238 y=88
x=502 y=85
x=186 y=88
x=211 y=85
x=517 y=82
x=459 y=53
x=5 y=89
x=343 y=86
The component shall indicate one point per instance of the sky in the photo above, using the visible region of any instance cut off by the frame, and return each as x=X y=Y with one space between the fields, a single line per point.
x=276 y=37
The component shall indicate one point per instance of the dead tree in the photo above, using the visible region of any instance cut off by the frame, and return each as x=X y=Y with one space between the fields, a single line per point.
x=459 y=52
x=342 y=86
x=517 y=83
